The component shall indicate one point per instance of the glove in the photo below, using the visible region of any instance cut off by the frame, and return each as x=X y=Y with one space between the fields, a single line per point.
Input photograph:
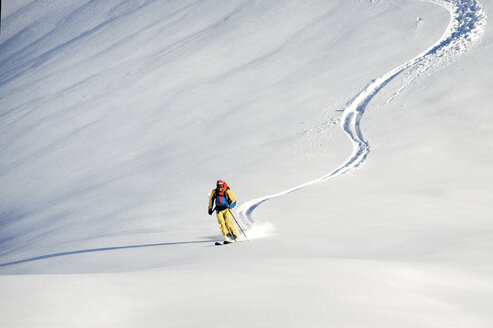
x=210 y=211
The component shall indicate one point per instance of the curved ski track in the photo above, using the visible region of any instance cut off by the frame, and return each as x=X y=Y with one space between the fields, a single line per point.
x=467 y=21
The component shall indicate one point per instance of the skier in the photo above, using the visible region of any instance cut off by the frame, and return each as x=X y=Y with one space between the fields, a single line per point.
x=225 y=200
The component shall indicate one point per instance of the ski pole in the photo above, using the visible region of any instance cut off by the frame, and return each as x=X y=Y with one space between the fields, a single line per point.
x=238 y=224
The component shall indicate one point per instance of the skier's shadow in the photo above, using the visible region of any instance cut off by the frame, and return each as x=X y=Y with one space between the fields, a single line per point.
x=103 y=249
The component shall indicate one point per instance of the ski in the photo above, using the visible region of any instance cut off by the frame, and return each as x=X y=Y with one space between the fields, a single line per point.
x=218 y=243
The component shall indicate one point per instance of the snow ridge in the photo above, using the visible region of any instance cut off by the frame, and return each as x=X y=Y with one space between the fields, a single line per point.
x=467 y=24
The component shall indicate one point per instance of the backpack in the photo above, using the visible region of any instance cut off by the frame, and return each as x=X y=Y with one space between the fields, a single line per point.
x=222 y=197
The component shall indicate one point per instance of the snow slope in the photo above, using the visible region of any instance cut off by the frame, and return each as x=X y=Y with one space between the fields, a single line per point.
x=466 y=26
x=117 y=117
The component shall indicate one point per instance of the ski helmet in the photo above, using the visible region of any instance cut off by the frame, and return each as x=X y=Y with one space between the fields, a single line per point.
x=222 y=186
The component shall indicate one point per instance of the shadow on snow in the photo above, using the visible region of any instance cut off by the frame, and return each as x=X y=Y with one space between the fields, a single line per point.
x=103 y=249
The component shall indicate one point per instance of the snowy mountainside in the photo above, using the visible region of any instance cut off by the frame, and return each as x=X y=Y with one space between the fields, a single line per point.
x=101 y=140
x=118 y=116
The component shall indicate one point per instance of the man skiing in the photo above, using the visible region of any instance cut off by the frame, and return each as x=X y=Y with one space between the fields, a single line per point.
x=225 y=200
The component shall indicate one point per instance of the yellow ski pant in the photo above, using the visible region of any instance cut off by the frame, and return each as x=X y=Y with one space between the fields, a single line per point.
x=225 y=222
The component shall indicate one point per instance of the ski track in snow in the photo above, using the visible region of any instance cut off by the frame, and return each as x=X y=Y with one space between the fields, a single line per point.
x=467 y=22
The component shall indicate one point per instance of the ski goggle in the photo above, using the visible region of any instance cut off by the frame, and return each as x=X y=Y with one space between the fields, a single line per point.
x=220 y=186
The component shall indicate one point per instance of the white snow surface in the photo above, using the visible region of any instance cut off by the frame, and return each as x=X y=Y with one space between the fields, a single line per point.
x=357 y=136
